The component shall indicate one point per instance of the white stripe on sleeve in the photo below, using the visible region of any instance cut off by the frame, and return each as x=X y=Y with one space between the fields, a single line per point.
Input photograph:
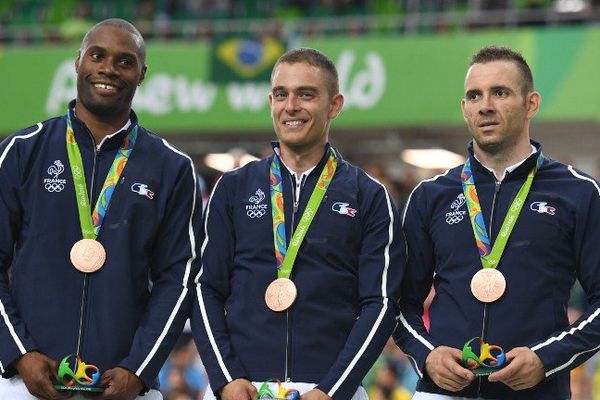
x=188 y=267
x=9 y=325
x=203 y=312
x=376 y=325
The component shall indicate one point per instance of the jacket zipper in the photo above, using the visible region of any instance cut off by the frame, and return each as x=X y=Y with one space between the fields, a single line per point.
x=288 y=331
x=485 y=305
x=85 y=276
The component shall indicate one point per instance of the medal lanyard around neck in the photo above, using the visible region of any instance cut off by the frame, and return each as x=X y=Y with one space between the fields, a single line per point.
x=490 y=256
x=91 y=222
x=286 y=256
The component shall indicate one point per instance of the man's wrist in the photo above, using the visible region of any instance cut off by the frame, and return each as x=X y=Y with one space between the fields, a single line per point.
x=17 y=363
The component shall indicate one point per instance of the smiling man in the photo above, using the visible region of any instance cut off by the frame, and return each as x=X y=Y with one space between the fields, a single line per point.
x=502 y=239
x=302 y=258
x=98 y=218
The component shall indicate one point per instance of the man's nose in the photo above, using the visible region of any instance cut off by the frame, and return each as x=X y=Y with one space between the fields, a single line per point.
x=486 y=105
x=107 y=67
x=292 y=103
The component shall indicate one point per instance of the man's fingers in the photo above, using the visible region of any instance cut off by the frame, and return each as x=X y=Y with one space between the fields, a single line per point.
x=523 y=371
x=452 y=383
x=461 y=372
x=512 y=369
x=459 y=369
x=457 y=380
x=456 y=372
x=515 y=384
x=502 y=375
x=444 y=366
x=43 y=388
x=47 y=391
x=252 y=392
x=105 y=378
x=109 y=391
x=239 y=389
x=449 y=385
x=54 y=370
x=453 y=376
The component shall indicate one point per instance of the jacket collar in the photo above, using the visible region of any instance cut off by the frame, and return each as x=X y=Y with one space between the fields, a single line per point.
x=519 y=172
x=84 y=136
x=319 y=167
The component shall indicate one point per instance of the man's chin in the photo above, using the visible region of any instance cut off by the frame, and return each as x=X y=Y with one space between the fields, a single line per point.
x=107 y=110
x=489 y=146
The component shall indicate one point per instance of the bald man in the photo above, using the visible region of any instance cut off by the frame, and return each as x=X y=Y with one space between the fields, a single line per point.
x=98 y=218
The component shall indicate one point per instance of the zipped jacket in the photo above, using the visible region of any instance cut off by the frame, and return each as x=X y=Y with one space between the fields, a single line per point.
x=131 y=311
x=554 y=241
x=347 y=274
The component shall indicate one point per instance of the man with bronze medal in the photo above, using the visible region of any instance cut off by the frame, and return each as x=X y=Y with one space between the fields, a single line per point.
x=302 y=258
x=99 y=274
x=523 y=228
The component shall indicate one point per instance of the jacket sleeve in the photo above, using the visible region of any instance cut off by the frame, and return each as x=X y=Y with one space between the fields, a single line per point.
x=212 y=286
x=14 y=338
x=380 y=270
x=172 y=270
x=564 y=350
x=411 y=335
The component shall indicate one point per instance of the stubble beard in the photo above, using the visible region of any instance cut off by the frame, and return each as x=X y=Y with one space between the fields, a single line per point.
x=108 y=110
x=488 y=144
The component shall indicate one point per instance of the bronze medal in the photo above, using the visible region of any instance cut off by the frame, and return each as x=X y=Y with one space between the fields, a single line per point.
x=88 y=255
x=280 y=294
x=488 y=285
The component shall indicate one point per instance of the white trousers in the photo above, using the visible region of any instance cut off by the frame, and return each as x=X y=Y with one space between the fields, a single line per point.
x=14 y=388
x=434 y=396
x=302 y=387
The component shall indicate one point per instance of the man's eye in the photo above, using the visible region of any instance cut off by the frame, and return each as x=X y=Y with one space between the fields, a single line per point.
x=472 y=96
x=279 y=95
x=501 y=92
x=306 y=95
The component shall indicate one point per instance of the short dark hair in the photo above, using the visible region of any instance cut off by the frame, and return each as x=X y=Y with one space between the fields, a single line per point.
x=316 y=59
x=120 y=24
x=500 y=53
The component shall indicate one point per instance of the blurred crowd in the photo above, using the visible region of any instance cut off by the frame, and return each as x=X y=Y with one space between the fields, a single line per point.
x=24 y=22
x=183 y=376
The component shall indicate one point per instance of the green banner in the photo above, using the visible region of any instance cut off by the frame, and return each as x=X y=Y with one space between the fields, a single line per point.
x=388 y=81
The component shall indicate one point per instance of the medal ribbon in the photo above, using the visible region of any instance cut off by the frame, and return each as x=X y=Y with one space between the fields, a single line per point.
x=286 y=256
x=91 y=222
x=490 y=256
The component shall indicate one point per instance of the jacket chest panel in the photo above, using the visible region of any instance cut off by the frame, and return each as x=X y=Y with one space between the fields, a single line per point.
x=49 y=199
x=335 y=226
x=544 y=219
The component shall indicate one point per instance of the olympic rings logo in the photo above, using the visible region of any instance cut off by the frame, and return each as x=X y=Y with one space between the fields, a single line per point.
x=256 y=213
x=54 y=187
x=455 y=219
x=77 y=172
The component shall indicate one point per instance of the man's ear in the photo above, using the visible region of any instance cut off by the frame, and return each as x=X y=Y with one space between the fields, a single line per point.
x=462 y=107
x=143 y=76
x=534 y=100
x=77 y=60
x=337 y=102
